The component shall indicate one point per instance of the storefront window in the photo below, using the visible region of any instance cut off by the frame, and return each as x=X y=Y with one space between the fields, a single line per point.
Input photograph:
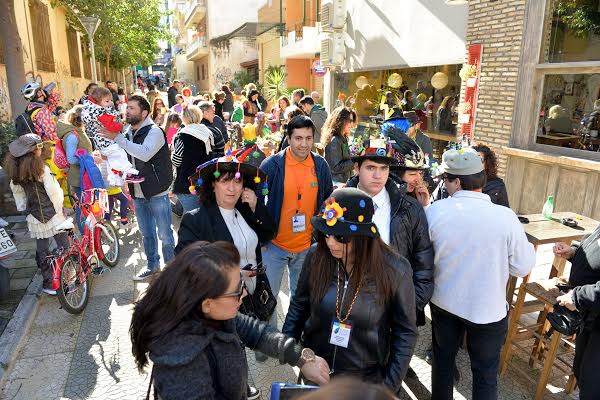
x=570 y=111
x=414 y=90
x=572 y=31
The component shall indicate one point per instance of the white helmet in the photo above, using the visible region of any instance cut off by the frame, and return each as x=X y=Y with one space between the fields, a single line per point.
x=29 y=89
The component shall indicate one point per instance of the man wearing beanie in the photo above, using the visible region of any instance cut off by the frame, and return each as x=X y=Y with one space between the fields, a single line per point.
x=477 y=244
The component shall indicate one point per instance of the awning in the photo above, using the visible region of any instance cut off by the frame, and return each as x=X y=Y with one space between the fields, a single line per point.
x=248 y=64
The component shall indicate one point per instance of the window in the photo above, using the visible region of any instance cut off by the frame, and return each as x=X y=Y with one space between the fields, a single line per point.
x=87 y=66
x=42 y=39
x=572 y=31
x=203 y=73
x=73 y=52
x=569 y=75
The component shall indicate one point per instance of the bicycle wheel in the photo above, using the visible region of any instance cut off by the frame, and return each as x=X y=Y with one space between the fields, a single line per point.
x=107 y=244
x=73 y=293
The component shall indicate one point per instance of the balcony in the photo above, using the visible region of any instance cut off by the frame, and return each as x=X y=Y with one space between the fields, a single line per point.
x=195 y=13
x=301 y=41
x=197 y=49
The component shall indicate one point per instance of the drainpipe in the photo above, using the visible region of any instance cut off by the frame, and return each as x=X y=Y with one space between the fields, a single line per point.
x=304 y=13
x=280 y=17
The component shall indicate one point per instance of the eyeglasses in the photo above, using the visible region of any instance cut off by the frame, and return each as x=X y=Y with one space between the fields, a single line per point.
x=339 y=238
x=237 y=294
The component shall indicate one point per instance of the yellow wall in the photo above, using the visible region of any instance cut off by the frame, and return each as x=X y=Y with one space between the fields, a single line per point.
x=70 y=87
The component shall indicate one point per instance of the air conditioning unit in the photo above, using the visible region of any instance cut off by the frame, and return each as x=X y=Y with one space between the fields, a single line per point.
x=333 y=49
x=333 y=15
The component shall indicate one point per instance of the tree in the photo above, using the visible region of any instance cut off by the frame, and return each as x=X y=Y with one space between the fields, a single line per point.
x=128 y=33
x=13 y=56
x=582 y=17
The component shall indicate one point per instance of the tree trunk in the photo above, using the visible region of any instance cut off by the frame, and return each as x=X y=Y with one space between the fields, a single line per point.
x=107 y=51
x=13 y=56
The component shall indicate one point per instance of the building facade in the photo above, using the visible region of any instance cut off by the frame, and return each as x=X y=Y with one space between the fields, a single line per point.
x=53 y=52
x=540 y=78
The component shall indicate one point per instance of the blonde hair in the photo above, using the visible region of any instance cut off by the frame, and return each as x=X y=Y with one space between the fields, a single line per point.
x=597 y=105
x=74 y=116
x=191 y=115
x=99 y=93
x=557 y=111
x=422 y=97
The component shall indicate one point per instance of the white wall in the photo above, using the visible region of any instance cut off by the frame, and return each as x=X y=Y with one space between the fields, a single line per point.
x=394 y=33
x=224 y=16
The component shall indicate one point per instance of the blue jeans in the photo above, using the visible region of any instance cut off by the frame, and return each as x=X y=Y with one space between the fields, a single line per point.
x=275 y=259
x=76 y=191
x=188 y=201
x=152 y=214
x=484 y=342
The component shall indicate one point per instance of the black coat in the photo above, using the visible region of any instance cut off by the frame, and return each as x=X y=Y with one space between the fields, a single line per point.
x=171 y=94
x=496 y=189
x=585 y=277
x=383 y=335
x=337 y=155
x=199 y=361
x=207 y=223
x=409 y=236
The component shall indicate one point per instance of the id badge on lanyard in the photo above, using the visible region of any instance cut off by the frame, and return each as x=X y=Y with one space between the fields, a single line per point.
x=298 y=223
x=340 y=334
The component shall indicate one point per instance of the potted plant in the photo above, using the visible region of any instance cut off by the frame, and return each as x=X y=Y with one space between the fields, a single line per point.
x=468 y=73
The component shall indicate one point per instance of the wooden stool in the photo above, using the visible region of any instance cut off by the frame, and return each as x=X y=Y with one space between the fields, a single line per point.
x=545 y=351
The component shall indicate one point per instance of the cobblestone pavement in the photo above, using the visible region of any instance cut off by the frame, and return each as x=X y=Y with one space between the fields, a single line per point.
x=88 y=356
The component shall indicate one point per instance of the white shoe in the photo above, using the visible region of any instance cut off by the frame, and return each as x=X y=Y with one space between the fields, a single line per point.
x=50 y=292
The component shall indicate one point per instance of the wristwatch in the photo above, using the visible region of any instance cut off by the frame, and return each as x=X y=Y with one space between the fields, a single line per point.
x=306 y=356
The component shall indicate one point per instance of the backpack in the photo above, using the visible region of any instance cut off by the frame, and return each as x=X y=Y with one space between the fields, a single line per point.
x=24 y=122
x=60 y=153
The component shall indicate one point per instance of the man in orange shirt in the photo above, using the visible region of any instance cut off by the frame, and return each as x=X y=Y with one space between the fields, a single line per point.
x=299 y=181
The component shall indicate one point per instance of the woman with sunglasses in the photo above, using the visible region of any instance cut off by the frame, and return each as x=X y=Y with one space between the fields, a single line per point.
x=355 y=300
x=188 y=325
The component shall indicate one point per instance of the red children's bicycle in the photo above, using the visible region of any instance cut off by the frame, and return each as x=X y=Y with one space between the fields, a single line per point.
x=100 y=242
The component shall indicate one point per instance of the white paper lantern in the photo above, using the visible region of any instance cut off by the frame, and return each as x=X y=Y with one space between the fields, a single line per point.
x=395 y=80
x=439 y=80
x=361 y=81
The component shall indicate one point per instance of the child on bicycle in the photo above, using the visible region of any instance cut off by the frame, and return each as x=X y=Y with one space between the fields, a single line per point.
x=97 y=113
x=115 y=194
x=37 y=192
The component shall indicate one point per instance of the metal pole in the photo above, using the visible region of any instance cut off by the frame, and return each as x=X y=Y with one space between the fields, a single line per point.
x=93 y=59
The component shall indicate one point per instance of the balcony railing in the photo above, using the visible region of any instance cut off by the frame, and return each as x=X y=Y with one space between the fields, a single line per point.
x=196 y=44
x=192 y=8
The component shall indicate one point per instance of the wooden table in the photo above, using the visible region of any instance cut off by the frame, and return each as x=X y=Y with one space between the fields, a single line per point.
x=557 y=139
x=542 y=231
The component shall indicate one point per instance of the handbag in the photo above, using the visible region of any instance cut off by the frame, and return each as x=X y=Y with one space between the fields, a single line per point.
x=564 y=320
x=261 y=303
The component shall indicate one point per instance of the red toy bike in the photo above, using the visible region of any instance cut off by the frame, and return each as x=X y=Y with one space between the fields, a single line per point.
x=100 y=242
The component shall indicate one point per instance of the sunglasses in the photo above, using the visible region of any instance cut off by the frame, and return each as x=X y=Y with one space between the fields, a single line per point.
x=39 y=145
x=339 y=238
x=446 y=178
x=237 y=294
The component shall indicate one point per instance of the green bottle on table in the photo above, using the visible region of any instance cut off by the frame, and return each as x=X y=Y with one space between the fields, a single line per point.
x=548 y=208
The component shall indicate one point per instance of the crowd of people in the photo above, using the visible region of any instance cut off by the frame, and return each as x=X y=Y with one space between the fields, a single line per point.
x=367 y=230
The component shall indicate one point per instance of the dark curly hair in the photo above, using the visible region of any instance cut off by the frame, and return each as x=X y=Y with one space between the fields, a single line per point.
x=490 y=163
x=206 y=191
x=335 y=123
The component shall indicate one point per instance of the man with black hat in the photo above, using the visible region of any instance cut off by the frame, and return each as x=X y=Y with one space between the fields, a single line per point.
x=400 y=218
x=477 y=244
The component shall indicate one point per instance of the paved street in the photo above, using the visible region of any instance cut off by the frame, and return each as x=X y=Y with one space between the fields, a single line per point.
x=89 y=356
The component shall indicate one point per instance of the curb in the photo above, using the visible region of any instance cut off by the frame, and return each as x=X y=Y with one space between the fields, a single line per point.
x=18 y=327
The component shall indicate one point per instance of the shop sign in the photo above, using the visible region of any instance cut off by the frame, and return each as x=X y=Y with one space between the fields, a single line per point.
x=319 y=69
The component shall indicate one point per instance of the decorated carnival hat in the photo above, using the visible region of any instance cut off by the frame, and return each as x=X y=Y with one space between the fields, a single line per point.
x=465 y=161
x=211 y=170
x=408 y=153
x=376 y=149
x=347 y=212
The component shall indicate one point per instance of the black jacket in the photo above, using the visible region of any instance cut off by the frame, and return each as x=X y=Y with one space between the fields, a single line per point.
x=171 y=93
x=218 y=109
x=585 y=277
x=337 y=155
x=383 y=335
x=496 y=189
x=207 y=223
x=198 y=361
x=409 y=236
x=158 y=171
x=194 y=154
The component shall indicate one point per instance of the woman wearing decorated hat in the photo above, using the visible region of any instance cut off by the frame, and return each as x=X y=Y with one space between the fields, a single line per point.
x=355 y=300
x=230 y=211
x=411 y=166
